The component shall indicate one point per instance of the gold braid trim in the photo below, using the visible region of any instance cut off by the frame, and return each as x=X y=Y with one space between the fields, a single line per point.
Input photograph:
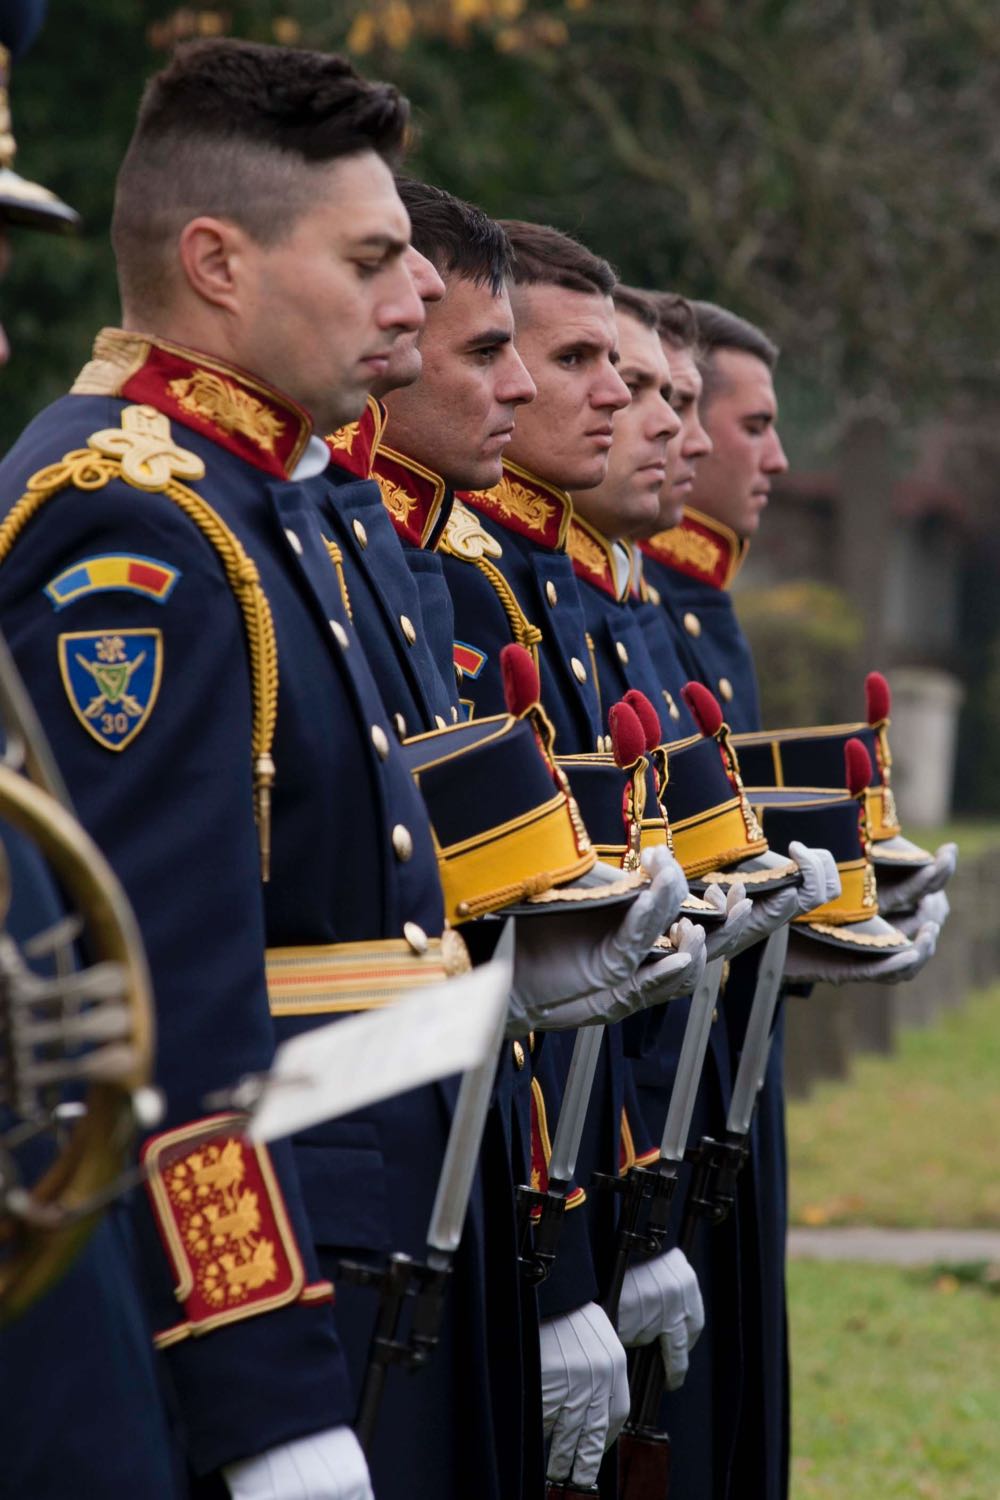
x=337 y=558
x=522 y=629
x=87 y=469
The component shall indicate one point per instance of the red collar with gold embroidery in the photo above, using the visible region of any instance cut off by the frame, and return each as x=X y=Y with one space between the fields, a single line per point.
x=412 y=495
x=594 y=560
x=700 y=547
x=228 y=405
x=527 y=505
x=354 y=447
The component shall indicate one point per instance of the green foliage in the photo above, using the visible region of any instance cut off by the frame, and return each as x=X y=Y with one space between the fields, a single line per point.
x=806 y=639
x=828 y=169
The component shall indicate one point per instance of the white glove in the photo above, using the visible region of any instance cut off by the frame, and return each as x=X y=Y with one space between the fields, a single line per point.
x=820 y=883
x=810 y=962
x=933 y=908
x=585 y=1396
x=572 y=953
x=724 y=941
x=662 y=1299
x=675 y=974
x=324 y=1466
x=905 y=894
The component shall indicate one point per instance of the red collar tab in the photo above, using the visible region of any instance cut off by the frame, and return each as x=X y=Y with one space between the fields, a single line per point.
x=527 y=505
x=700 y=547
x=355 y=447
x=594 y=560
x=228 y=405
x=412 y=495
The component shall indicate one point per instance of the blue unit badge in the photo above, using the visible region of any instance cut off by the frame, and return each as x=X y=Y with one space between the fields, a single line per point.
x=112 y=678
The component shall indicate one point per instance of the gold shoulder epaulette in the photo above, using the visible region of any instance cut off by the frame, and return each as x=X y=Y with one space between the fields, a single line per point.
x=465 y=537
x=142 y=452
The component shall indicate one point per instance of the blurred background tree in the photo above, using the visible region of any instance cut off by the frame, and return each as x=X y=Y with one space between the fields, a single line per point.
x=830 y=168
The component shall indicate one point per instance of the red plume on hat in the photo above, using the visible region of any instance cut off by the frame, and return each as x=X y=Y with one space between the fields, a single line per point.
x=704 y=706
x=878 y=699
x=647 y=716
x=628 y=740
x=857 y=767
x=521 y=688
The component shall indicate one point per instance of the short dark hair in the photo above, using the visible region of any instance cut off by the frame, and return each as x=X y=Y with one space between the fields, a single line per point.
x=456 y=236
x=232 y=129
x=678 y=321
x=638 y=305
x=544 y=256
x=720 y=329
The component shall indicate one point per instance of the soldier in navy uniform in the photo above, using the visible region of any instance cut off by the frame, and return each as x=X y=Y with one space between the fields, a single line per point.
x=141 y=596
x=505 y=560
x=87 y=1344
x=174 y=605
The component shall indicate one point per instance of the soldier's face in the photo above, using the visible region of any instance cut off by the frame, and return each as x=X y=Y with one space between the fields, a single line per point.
x=320 y=311
x=692 y=443
x=458 y=419
x=405 y=358
x=733 y=482
x=627 y=502
x=569 y=343
x=4 y=263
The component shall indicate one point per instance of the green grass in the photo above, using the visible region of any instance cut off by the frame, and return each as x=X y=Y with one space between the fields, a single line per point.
x=896 y=1385
x=910 y=1139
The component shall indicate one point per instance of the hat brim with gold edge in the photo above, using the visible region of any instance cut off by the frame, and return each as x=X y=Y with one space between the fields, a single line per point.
x=508 y=835
x=716 y=836
x=814 y=757
x=32 y=206
x=831 y=820
x=618 y=797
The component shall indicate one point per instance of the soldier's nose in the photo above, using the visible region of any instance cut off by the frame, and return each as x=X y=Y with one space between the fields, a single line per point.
x=4 y=347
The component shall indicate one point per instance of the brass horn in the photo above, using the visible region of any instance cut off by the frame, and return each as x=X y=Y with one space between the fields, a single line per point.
x=88 y=1027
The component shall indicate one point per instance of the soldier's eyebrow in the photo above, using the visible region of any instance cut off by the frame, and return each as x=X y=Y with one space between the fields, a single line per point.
x=390 y=243
x=489 y=338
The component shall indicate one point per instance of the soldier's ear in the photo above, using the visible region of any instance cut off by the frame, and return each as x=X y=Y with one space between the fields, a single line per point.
x=213 y=254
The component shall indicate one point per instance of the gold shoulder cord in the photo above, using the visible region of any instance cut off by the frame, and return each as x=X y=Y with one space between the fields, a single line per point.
x=466 y=539
x=337 y=558
x=143 y=453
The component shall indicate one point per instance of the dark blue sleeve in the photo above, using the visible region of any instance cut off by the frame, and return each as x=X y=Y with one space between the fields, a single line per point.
x=163 y=783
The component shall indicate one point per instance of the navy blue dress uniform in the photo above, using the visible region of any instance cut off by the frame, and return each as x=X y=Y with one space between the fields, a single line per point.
x=173 y=606
x=510 y=577
x=387 y=581
x=609 y=575
x=689 y=571
x=386 y=523
x=691 y=568
x=79 y=1363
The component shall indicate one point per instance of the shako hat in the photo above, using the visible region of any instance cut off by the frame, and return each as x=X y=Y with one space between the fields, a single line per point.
x=836 y=820
x=507 y=831
x=716 y=836
x=619 y=794
x=21 y=201
x=815 y=758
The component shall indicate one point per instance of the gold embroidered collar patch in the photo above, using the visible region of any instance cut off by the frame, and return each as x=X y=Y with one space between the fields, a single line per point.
x=594 y=560
x=355 y=447
x=700 y=547
x=412 y=495
x=527 y=505
x=228 y=405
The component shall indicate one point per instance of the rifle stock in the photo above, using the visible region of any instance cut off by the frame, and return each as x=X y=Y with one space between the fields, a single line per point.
x=643 y=1466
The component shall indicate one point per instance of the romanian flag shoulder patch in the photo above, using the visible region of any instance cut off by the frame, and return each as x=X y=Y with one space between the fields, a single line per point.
x=123 y=571
x=469 y=658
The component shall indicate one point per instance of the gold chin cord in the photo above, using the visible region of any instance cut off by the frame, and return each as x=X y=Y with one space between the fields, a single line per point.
x=76 y=1048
